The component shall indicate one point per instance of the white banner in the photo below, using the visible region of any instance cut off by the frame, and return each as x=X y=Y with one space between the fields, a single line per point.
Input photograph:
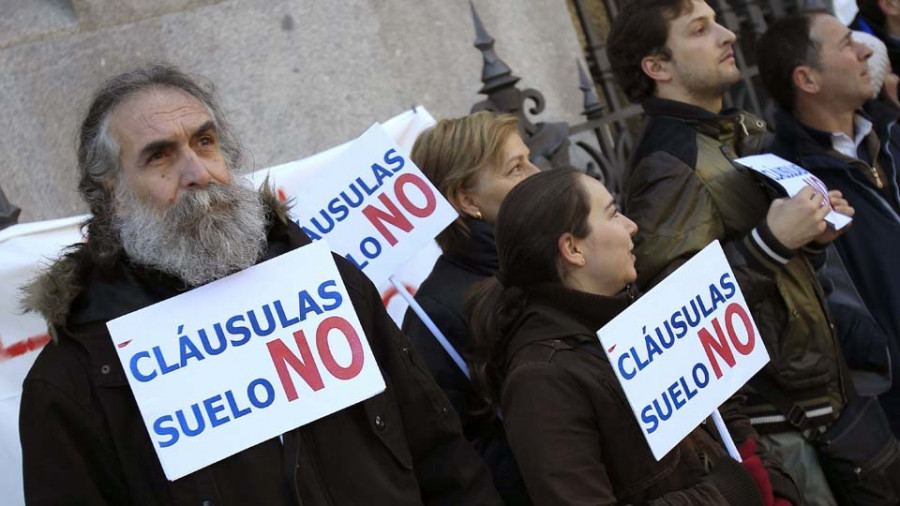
x=245 y=358
x=793 y=178
x=25 y=249
x=684 y=348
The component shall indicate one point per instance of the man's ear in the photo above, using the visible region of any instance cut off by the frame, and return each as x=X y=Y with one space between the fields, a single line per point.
x=569 y=253
x=656 y=68
x=805 y=79
x=464 y=202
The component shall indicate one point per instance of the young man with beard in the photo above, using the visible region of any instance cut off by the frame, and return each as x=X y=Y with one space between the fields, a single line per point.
x=684 y=191
x=828 y=123
x=157 y=161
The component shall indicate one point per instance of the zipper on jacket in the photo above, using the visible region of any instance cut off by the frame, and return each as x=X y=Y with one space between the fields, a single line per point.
x=740 y=121
x=877 y=177
x=878 y=181
x=887 y=150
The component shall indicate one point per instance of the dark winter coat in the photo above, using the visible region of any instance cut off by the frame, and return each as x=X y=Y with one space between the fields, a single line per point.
x=574 y=434
x=442 y=296
x=684 y=191
x=869 y=247
x=84 y=441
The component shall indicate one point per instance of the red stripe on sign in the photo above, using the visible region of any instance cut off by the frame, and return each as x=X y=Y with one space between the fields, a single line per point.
x=613 y=347
x=392 y=292
x=124 y=344
x=22 y=347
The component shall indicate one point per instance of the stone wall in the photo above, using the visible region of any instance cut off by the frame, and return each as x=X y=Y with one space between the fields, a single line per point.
x=296 y=76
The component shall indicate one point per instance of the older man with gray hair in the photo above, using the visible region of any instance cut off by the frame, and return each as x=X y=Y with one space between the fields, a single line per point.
x=817 y=71
x=157 y=164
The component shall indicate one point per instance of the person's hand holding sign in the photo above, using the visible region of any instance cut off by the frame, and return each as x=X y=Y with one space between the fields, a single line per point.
x=798 y=220
x=840 y=205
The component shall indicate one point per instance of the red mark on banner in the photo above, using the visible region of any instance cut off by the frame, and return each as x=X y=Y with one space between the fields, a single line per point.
x=718 y=345
x=356 y=349
x=124 y=344
x=305 y=365
x=392 y=214
x=33 y=343
x=392 y=292
x=282 y=197
x=400 y=190
x=613 y=347
x=820 y=188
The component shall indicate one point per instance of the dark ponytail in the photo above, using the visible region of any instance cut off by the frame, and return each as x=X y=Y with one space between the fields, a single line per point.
x=531 y=219
x=491 y=310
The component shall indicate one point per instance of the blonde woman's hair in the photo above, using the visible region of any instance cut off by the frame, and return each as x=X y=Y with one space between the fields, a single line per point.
x=453 y=153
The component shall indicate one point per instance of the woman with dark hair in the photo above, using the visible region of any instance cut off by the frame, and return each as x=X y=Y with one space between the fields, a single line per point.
x=564 y=268
x=473 y=161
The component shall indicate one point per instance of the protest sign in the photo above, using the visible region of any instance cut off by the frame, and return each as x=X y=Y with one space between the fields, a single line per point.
x=373 y=205
x=684 y=348
x=793 y=178
x=243 y=359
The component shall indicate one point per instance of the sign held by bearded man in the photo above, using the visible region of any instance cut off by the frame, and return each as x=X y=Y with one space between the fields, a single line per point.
x=245 y=358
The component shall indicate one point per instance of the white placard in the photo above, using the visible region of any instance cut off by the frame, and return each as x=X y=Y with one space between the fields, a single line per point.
x=793 y=178
x=373 y=205
x=684 y=348
x=251 y=356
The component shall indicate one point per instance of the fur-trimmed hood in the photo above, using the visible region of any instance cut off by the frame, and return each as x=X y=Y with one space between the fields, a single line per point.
x=52 y=292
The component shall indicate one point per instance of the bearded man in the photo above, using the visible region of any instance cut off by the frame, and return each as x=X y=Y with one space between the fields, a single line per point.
x=156 y=161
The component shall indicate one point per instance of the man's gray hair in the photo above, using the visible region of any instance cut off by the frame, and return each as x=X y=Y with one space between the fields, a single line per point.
x=98 y=151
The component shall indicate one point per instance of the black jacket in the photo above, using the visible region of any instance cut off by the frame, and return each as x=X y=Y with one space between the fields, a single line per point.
x=442 y=295
x=869 y=247
x=574 y=433
x=84 y=441
x=684 y=191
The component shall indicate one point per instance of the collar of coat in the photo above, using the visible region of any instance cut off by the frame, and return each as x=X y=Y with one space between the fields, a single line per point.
x=811 y=147
x=553 y=311
x=59 y=292
x=727 y=125
x=479 y=251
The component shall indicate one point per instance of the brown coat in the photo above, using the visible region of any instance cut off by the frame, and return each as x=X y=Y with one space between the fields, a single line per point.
x=573 y=433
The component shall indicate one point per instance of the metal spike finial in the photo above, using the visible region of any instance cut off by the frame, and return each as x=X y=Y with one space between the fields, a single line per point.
x=9 y=214
x=495 y=73
x=482 y=37
x=592 y=106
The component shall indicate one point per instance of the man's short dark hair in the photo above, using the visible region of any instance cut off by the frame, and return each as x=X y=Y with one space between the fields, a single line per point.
x=640 y=30
x=785 y=46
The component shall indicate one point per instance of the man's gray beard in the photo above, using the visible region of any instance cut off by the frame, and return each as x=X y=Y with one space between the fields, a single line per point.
x=206 y=235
